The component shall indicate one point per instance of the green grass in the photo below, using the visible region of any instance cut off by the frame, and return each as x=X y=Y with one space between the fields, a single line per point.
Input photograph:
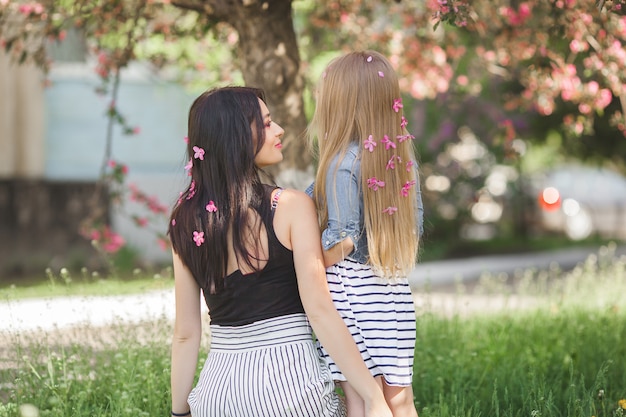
x=85 y=283
x=564 y=356
x=441 y=249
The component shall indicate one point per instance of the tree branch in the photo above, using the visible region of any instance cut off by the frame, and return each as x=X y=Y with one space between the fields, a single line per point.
x=215 y=10
x=196 y=5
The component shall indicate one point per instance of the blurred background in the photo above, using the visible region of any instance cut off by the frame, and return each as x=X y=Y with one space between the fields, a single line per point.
x=517 y=108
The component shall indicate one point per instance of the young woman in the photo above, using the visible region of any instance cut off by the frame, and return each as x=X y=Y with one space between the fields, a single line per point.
x=253 y=251
x=369 y=204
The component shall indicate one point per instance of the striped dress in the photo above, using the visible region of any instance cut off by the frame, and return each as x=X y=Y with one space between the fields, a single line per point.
x=380 y=314
x=269 y=368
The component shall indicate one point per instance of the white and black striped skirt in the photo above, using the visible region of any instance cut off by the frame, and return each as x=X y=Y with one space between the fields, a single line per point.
x=380 y=315
x=268 y=368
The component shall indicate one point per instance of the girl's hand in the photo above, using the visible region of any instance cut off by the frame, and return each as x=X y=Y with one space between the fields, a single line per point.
x=378 y=409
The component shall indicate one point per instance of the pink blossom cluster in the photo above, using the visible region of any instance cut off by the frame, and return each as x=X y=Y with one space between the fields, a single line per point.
x=105 y=238
x=150 y=202
x=31 y=8
x=517 y=17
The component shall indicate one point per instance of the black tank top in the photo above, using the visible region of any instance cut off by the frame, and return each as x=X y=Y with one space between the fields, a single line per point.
x=272 y=292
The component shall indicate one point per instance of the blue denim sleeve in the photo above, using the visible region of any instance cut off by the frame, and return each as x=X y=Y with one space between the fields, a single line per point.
x=420 y=207
x=309 y=189
x=343 y=203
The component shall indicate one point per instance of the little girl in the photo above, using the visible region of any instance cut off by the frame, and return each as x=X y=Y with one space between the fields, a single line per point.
x=369 y=203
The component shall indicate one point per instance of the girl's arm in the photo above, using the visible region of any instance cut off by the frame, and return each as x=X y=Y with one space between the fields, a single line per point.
x=328 y=326
x=344 y=211
x=187 y=333
x=338 y=252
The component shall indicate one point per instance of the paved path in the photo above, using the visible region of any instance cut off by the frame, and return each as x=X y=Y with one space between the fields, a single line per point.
x=64 y=312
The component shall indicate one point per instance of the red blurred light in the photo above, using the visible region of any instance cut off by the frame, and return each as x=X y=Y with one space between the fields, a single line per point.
x=550 y=199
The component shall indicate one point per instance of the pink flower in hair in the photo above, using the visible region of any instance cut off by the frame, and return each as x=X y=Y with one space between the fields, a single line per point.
x=390 y=210
x=189 y=166
x=186 y=139
x=198 y=237
x=374 y=183
x=173 y=222
x=211 y=208
x=192 y=190
x=397 y=104
x=402 y=138
x=391 y=164
x=381 y=74
x=409 y=165
x=388 y=142
x=369 y=59
x=403 y=122
x=198 y=153
x=370 y=143
x=407 y=187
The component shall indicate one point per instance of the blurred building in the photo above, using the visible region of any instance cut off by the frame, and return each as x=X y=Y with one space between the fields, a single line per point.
x=52 y=144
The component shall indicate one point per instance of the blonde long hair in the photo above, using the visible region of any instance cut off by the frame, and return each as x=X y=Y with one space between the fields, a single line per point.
x=357 y=101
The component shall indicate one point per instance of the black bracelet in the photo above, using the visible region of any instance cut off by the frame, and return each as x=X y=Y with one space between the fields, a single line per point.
x=181 y=414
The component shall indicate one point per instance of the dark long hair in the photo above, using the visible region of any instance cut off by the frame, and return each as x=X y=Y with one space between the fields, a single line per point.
x=221 y=122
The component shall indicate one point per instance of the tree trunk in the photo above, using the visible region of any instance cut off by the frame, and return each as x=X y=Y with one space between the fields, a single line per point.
x=269 y=58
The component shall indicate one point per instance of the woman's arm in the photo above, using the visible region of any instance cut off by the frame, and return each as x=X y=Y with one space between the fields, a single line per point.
x=329 y=328
x=187 y=333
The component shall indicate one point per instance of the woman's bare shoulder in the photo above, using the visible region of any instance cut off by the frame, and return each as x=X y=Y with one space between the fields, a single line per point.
x=294 y=198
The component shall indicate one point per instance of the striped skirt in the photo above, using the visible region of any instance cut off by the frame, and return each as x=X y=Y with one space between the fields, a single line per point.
x=268 y=368
x=380 y=314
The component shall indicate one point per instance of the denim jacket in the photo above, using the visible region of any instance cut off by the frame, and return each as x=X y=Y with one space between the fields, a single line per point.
x=345 y=205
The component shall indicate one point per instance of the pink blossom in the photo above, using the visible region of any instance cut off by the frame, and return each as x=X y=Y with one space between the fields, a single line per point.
x=462 y=80
x=388 y=143
x=141 y=221
x=604 y=99
x=112 y=242
x=584 y=108
x=211 y=208
x=397 y=104
x=198 y=153
x=391 y=164
x=162 y=244
x=390 y=210
x=374 y=183
x=578 y=46
x=198 y=237
x=407 y=187
x=192 y=190
x=402 y=138
x=370 y=143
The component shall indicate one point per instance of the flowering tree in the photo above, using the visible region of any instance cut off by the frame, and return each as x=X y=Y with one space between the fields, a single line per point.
x=546 y=57
x=492 y=65
x=562 y=58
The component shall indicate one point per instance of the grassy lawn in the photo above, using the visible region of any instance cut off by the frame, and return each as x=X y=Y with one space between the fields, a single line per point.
x=85 y=283
x=563 y=356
